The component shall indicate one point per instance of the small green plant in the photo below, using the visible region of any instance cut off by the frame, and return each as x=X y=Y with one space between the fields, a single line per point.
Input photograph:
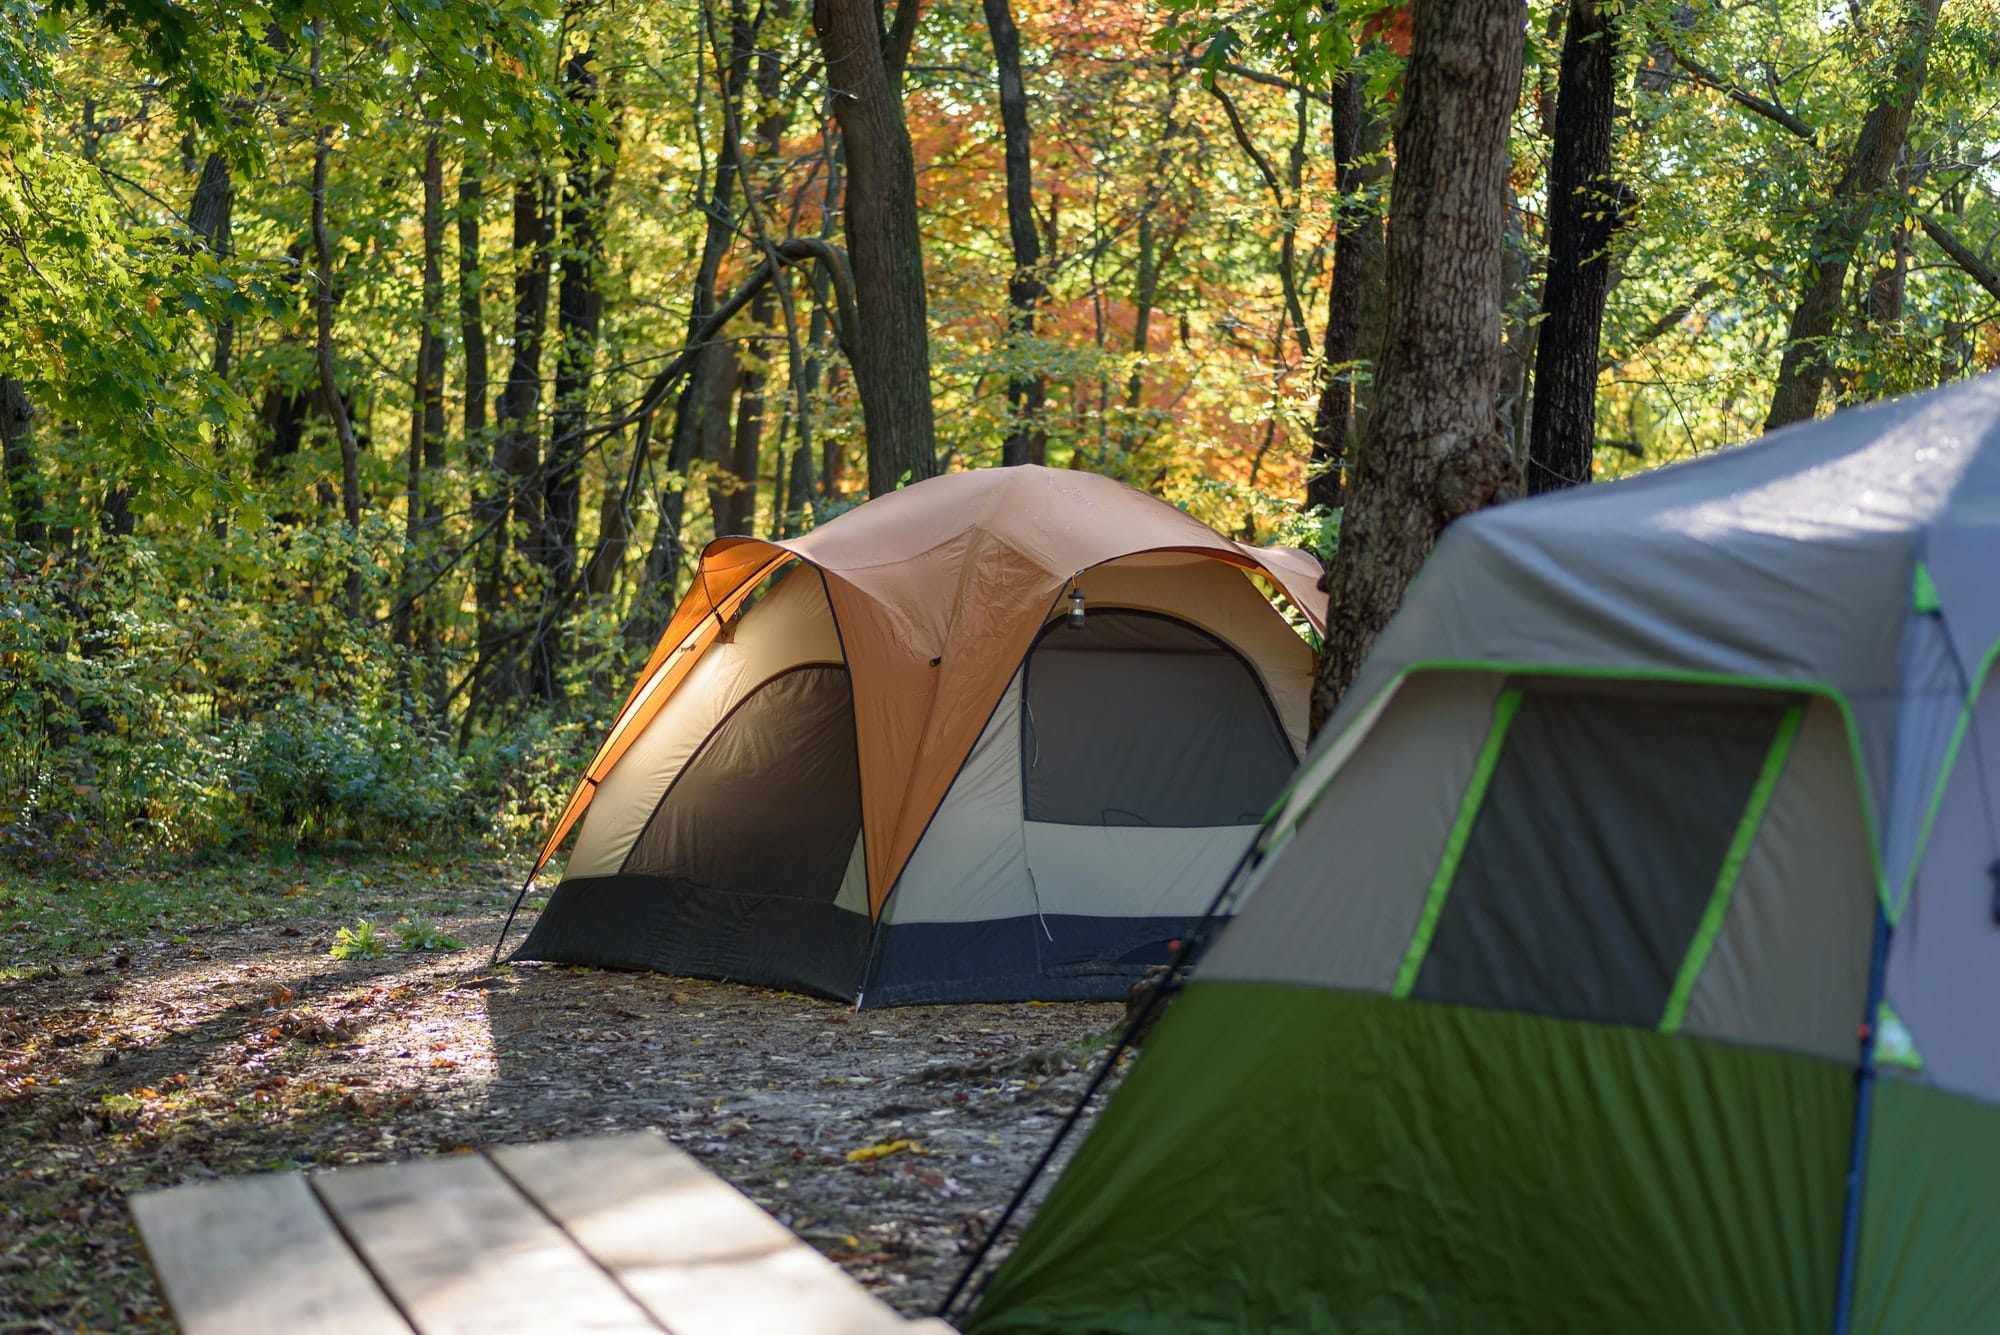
x=416 y=937
x=359 y=942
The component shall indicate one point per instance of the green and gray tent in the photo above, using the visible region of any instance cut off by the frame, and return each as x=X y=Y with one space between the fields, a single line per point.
x=1625 y=955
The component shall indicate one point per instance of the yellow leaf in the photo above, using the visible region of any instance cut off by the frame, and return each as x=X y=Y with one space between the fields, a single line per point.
x=868 y=1153
x=296 y=892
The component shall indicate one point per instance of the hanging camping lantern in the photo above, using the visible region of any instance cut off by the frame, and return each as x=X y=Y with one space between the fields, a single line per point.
x=1076 y=607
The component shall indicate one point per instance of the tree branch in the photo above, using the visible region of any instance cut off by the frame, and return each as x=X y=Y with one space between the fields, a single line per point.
x=1707 y=77
x=1255 y=154
x=1976 y=268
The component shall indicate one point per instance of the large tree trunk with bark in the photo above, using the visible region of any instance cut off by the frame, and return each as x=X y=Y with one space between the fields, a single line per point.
x=892 y=361
x=1434 y=449
x=1803 y=373
x=1584 y=208
x=1025 y=291
x=1357 y=274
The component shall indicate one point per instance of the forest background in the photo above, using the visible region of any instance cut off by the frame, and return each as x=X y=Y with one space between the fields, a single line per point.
x=371 y=373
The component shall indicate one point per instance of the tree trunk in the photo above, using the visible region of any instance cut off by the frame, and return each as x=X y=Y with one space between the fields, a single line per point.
x=329 y=393
x=651 y=601
x=819 y=345
x=712 y=433
x=761 y=192
x=209 y=218
x=892 y=364
x=1802 y=375
x=517 y=447
x=471 y=319
x=423 y=511
x=1357 y=268
x=1584 y=208
x=489 y=492
x=579 y=313
x=1433 y=449
x=24 y=477
x=1025 y=291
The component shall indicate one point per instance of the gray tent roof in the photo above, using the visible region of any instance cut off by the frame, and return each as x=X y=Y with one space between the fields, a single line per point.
x=1787 y=560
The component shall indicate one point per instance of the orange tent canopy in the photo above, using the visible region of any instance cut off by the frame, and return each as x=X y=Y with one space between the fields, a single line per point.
x=938 y=591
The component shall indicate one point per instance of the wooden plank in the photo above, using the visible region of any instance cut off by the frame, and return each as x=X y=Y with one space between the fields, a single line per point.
x=257 y=1254
x=702 y=1257
x=462 y=1251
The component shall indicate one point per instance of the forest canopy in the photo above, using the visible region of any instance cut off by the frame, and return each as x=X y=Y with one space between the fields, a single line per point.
x=370 y=374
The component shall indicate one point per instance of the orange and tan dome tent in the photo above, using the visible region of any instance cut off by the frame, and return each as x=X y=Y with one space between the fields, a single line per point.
x=891 y=759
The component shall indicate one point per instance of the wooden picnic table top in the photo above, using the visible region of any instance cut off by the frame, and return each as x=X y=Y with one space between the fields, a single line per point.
x=610 y=1233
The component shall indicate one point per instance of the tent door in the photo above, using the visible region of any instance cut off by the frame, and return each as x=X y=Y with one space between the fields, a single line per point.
x=1149 y=752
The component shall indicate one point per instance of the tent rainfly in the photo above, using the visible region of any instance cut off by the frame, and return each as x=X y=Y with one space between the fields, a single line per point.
x=1626 y=955
x=997 y=736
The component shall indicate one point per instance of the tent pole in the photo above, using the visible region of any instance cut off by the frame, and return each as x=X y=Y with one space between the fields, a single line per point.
x=508 y=925
x=1133 y=1028
x=1857 y=1159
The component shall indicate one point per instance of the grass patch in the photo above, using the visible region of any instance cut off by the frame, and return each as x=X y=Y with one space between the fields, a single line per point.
x=61 y=914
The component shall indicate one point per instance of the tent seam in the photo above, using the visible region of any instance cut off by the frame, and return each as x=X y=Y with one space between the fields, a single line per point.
x=1456 y=841
x=1973 y=690
x=1724 y=892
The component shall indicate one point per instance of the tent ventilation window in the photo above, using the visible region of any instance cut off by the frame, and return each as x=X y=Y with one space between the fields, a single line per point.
x=1603 y=831
x=1139 y=719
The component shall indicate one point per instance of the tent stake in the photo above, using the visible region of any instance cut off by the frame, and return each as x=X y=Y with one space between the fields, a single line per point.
x=1857 y=1158
x=1136 y=1025
x=508 y=925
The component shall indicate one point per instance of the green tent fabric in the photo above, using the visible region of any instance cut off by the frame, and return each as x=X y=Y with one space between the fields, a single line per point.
x=1552 y=993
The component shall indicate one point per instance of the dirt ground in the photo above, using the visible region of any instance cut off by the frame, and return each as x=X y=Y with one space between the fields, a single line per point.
x=241 y=1048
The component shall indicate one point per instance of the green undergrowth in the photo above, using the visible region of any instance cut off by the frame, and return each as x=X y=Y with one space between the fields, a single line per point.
x=50 y=915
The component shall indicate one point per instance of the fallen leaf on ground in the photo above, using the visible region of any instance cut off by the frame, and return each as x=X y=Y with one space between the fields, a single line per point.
x=869 y=1153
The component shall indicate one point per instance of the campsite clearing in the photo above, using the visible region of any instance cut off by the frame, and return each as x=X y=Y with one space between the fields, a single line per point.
x=885 y=1139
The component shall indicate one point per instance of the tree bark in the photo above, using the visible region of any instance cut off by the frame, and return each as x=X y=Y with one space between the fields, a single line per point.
x=1026 y=393
x=659 y=575
x=1584 y=208
x=1357 y=269
x=331 y=403
x=892 y=365
x=24 y=477
x=471 y=289
x=579 y=314
x=423 y=511
x=517 y=447
x=1434 y=450
x=1803 y=373
x=208 y=217
x=514 y=476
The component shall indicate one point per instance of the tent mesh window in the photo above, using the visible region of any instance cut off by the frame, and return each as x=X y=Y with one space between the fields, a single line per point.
x=1604 y=829
x=1140 y=719
x=771 y=802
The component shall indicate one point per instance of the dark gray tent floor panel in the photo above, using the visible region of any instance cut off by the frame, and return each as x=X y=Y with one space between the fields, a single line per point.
x=633 y=921
x=1051 y=957
x=646 y=922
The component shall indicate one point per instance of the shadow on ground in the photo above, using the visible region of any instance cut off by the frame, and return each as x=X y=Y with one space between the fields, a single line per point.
x=886 y=1138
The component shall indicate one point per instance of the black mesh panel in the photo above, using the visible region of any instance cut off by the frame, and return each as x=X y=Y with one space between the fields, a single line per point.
x=771 y=803
x=1139 y=719
x=1594 y=855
